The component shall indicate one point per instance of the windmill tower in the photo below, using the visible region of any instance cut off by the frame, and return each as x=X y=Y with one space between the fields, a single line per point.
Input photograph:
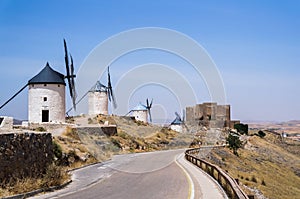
x=46 y=97
x=46 y=93
x=98 y=97
x=140 y=112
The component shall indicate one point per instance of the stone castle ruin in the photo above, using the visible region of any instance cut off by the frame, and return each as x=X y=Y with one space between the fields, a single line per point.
x=210 y=114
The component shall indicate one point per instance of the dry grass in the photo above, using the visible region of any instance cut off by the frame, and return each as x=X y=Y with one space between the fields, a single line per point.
x=263 y=165
x=71 y=133
x=53 y=177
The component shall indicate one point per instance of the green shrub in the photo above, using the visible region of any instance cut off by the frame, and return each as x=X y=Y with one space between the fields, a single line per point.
x=234 y=143
x=57 y=150
x=261 y=134
x=241 y=128
x=253 y=179
x=40 y=129
x=116 y=142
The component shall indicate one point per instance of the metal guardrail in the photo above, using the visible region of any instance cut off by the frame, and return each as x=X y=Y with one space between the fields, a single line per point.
x=229 y=185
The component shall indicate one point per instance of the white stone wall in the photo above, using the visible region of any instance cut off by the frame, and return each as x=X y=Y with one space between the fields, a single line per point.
x=98 y=103
x=55 y=103
x=141 y=115
x=176 y=127
x=7 y=123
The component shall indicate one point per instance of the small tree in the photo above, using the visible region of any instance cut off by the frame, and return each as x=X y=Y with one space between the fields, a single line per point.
x=234 y=143
x=241 y=128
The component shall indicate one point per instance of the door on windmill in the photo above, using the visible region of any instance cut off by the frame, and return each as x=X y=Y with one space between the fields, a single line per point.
x=45 y=115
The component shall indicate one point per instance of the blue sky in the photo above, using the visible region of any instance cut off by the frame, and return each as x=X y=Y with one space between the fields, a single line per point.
x=255 y=45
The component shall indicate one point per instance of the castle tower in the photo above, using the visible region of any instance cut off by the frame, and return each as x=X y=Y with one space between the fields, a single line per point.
x=140 y=113
x=98 y=99
x=46 y=97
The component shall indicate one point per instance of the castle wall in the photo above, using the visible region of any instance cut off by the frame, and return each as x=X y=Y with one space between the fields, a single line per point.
x=98 y=103
x=209 y=114
x=46 y=97
x=190 y=116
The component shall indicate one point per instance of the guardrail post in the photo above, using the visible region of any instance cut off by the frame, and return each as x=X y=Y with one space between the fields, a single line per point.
x=219 y=178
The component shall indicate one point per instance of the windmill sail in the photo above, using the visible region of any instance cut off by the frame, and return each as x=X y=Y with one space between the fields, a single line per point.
x=17 y=93
x=70 y=75
x=111 y=95
x=148 y=107
x=74 y=94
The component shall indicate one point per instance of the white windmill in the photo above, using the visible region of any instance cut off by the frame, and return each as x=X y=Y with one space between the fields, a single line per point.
x=178 y=123
x=46 y=93
x=99 y=95
x=141 y=112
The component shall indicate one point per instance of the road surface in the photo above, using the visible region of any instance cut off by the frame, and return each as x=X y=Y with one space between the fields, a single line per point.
x=163 y=174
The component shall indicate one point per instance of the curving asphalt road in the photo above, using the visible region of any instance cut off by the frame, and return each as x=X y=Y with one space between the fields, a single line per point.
x=162 y=174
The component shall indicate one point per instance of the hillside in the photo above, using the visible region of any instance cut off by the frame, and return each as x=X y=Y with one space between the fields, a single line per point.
x=132 y=136
x=268 y=165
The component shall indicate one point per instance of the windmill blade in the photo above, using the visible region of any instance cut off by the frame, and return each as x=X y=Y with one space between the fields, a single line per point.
x=113 y=100
x=73 y=83
x=186 y=127
x=17 y=93
x=178 y=116
x=150 y=116
x=148 y=107
x=70 y=76
x=108 y=78
x=66 y=59
x=111 y=95
x=128 y=113
x=109 y=90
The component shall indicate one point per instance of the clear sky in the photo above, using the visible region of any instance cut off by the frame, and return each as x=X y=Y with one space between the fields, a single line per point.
x=255 y=45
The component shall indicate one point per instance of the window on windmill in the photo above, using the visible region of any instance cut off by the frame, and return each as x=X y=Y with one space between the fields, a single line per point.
x=45 y=99
x=45 y=84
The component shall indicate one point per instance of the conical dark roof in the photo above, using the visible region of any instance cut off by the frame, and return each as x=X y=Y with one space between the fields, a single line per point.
x=177 y=121
x=98 y=87
x=48 y=76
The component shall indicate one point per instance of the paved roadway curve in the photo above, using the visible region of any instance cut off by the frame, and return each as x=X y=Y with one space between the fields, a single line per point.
x=163 y=174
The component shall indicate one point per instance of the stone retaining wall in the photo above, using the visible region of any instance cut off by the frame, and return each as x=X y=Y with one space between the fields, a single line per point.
x=24 y=155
